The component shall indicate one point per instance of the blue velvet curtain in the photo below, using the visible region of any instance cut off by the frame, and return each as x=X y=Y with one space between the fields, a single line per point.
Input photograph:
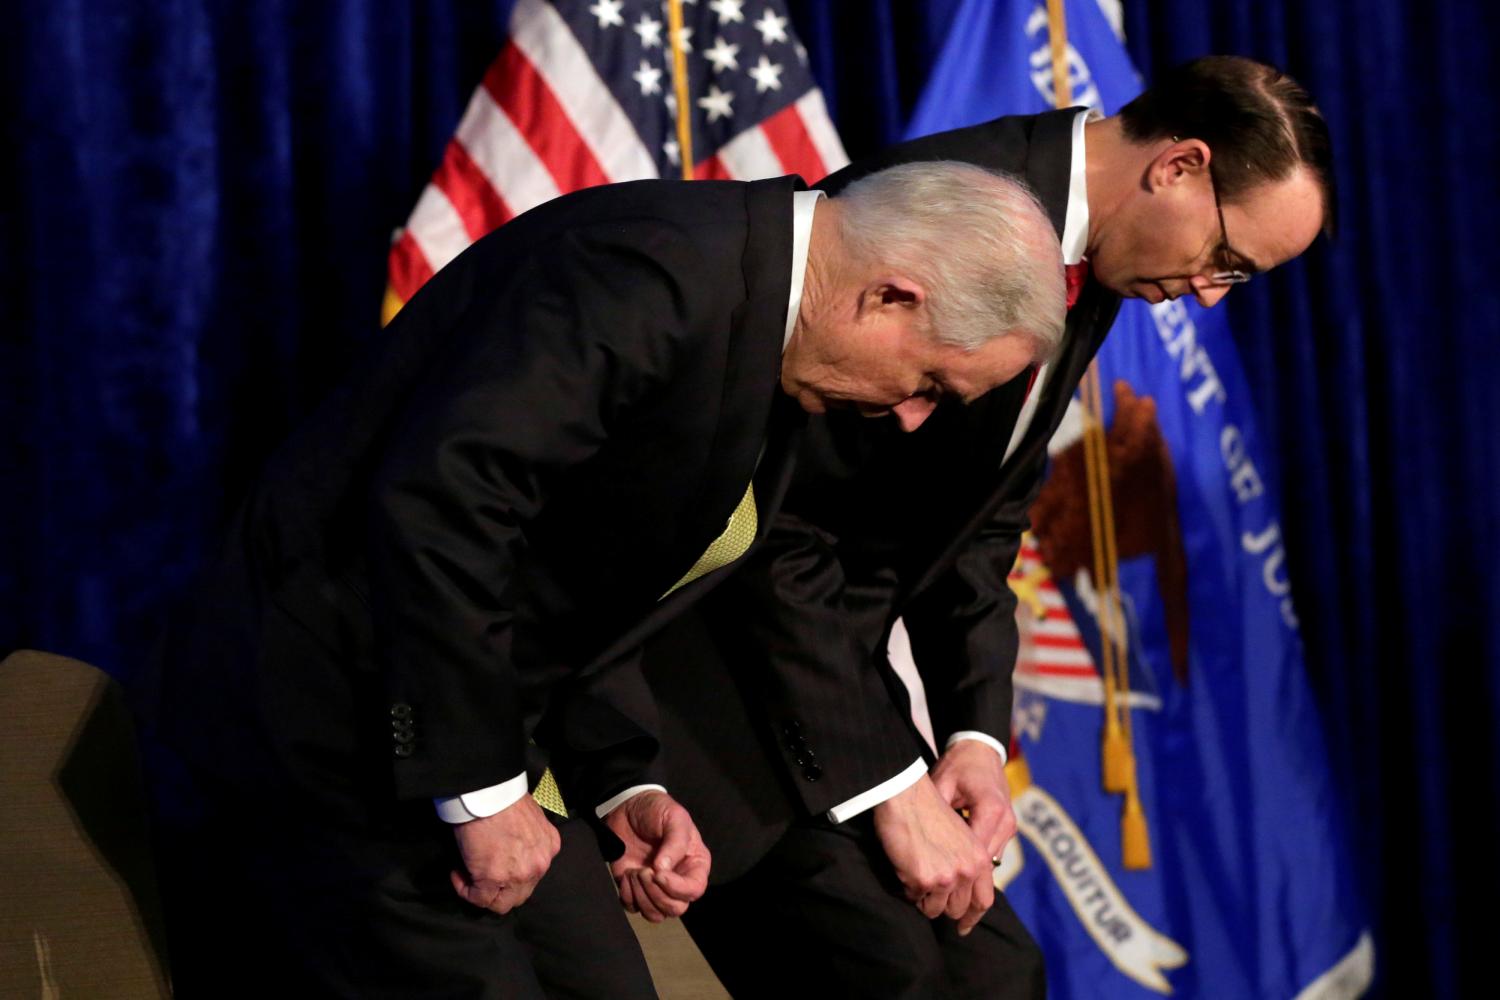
x=195 y=225
x=194 y=213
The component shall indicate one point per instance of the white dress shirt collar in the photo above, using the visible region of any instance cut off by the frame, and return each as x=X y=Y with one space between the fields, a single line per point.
x=1075 y=237
x=804 y=203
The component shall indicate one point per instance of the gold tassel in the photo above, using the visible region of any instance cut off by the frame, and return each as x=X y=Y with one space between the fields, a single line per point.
x=1119 y=762
x=1018 y=773
x=1135 y=844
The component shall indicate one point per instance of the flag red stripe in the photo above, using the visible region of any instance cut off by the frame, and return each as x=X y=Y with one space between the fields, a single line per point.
x=469 y=192
x=712 y=169
x=1065 y=671
x=788 y=137
x=1057 y=641
x=529 y=103
x=409 y=269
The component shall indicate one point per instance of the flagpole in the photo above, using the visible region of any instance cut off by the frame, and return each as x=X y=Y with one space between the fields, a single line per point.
x=1117 y=753
x=1057 y=31
x=680 y=88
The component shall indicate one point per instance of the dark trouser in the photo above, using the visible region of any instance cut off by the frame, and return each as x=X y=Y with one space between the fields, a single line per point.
x=261 y=906
x=823 y=915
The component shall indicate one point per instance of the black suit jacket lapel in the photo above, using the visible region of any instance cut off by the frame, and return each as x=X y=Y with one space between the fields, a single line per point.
x=1048 y=163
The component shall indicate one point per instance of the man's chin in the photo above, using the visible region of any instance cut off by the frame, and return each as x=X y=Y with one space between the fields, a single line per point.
x=852 y=406
x=1146 y=291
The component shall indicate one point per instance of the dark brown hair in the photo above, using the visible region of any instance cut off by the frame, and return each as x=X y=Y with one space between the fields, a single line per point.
x=1260 y=124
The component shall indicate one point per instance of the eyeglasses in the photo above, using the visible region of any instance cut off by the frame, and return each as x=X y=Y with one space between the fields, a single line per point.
x=1225 y=255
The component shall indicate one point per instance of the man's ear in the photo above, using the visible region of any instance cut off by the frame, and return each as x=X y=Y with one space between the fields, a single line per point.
x=891 y=292
x=1179 y=162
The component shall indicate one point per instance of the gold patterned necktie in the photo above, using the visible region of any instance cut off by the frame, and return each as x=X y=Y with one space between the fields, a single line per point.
x=733 y=542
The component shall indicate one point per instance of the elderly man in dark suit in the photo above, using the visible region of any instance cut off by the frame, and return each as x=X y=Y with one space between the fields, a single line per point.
x=792 y=743
x=559 y=444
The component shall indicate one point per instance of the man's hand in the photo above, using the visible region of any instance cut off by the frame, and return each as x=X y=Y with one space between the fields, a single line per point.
x=505 y=855
x=970 y=776
x=665 y=864
x=937 y=859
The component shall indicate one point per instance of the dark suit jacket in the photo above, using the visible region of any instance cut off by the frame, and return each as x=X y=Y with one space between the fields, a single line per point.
x=541 y=444
x=804 y=712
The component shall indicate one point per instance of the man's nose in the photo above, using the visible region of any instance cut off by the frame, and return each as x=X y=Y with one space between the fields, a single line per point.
x=912 y=411
x=1207 y=293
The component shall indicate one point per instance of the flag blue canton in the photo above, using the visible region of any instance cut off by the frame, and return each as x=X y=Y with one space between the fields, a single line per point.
x=744 y=65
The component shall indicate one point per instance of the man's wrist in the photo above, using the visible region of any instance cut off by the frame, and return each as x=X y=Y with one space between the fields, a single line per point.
x=614 y=802
x=882 y=792
x=985 y=738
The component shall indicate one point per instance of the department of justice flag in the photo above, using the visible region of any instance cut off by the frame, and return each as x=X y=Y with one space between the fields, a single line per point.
x=1251 y=894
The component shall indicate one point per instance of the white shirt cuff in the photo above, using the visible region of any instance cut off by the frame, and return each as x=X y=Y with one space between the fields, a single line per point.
x=610 y=804
x=987 y=740
x=483 y=802
x=889 y=788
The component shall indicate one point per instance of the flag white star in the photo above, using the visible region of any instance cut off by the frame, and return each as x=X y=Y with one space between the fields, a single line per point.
x=650 y=31
x=671 y=100
x=801 y=53
x=717 y=103
x=608 y=12
x=728 y=10
x=649 y=77
x=771 y=27
x=723 y=55
x=673 y=151
x=685 y=38
x=766 y=74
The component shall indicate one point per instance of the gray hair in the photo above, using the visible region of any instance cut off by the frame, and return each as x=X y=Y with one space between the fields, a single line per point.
x=977 y=241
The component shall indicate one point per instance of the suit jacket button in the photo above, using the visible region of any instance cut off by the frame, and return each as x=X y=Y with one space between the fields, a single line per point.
x=402 y=750
x=401 y=710
x=812 y=772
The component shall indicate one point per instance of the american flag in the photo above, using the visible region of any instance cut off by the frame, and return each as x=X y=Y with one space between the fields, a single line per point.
x=583 y=94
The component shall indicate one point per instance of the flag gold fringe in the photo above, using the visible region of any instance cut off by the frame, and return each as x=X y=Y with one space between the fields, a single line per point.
x=389 y=306
x=1018 y=774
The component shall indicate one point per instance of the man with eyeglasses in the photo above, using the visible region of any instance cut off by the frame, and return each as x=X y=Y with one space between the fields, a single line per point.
x=835 y=840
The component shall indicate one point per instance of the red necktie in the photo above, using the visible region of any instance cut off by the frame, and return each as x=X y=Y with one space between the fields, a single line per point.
x=1075 y=275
